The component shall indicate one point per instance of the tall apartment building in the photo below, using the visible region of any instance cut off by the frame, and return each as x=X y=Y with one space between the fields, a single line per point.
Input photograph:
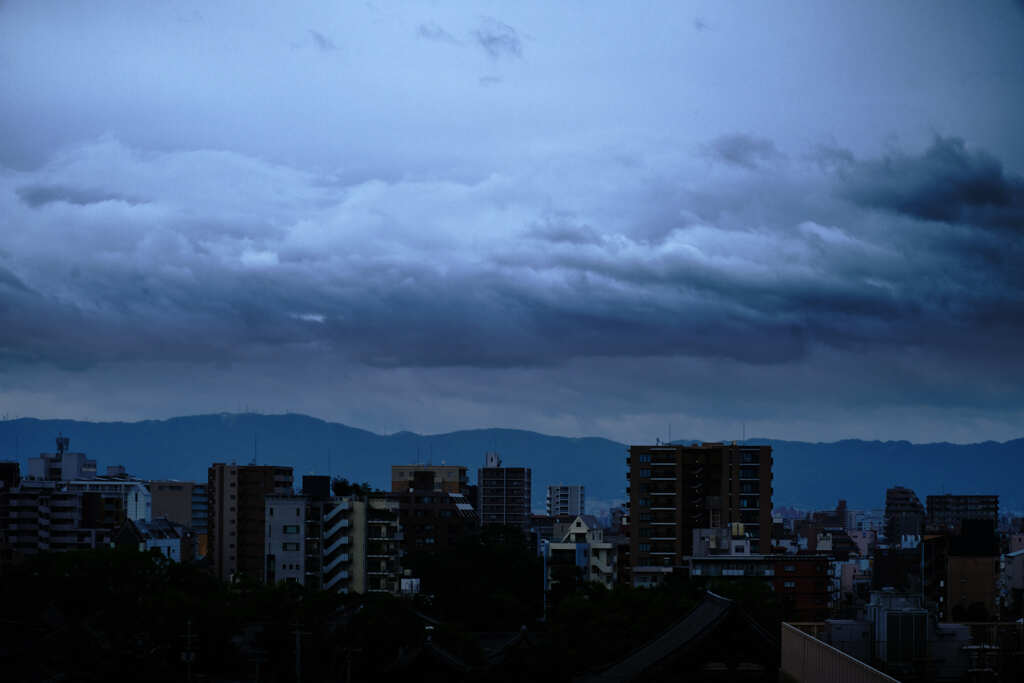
x=947 y=512
x=336 y=543
x=503 y=493
x=565 y=500
x=674 y=489
x=237 y=515
x=904 y=514
x=448 y=478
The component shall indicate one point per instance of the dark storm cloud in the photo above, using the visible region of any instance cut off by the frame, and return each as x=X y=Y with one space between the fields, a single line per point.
x=743 y=150
x=191 y=276
x=498 y=39
x=949 y=182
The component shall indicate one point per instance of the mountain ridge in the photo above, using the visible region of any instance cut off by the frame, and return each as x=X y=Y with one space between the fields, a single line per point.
x=807 y=474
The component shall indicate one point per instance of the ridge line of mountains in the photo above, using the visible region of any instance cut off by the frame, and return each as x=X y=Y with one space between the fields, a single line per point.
x=807 y=475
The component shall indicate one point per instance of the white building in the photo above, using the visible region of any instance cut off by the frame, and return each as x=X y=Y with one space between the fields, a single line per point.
x=584 y=547
x=565 y=500
x=338 y=543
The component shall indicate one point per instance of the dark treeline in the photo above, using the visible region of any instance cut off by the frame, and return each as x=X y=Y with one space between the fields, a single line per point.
x=115 y=614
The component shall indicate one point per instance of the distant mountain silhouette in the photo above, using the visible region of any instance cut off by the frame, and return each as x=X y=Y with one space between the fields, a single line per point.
x=806 y=474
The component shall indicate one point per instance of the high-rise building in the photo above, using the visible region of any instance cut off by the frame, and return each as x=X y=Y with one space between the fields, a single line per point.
x=947 y=512
x=337 y=543
x=503 y=493
x=904 y=514
x=565 y=500
x=674 y=489
x=237 y=515
x=449 y=478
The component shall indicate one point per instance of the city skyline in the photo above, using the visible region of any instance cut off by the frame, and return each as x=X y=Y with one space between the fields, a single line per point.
x=597 y=222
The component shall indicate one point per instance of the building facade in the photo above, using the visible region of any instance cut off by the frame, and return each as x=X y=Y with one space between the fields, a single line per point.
x=565 y=500
x=584 y=548
x=448 y=478
x=904 y=514
x=503 y=494
x=674 y=489
x=432 y=518
x=237 y=515
x=947 y=512
x=336 y=543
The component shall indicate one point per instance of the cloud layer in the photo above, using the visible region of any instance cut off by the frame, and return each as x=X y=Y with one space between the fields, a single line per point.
x=329 y=213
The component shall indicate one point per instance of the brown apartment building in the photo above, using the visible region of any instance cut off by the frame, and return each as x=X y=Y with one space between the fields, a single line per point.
x=947 y=512
x=237 y=516
x=448 y=478
x=674 y=489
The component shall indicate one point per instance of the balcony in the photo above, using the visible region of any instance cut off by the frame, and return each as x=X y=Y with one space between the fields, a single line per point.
x=667 y=508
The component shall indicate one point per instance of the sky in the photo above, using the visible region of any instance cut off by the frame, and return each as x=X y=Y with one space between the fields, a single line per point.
x=796 y=220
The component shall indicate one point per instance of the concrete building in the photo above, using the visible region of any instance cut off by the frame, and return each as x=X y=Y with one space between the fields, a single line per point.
x=336 y=543
x=237 y=515
x=432 y=518
x=123 y=497
x=448 y=478
x=904 y=514
x=674 y=489
x=947 y=512
x=10 y=474
x=802 y=582
x=186 y=503
x=503 y=494
x=584 y=548
x=46 y=516
x=565 y=500
x=62 y=465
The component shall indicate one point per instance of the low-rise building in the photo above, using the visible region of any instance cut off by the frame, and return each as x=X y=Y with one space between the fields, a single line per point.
x=169 y=539
x=584 y=547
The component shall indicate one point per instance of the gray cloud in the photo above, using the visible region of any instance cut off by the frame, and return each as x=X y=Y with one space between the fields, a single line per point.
x=743 y=150
x=322 y=42
x=948 y=182
x=498 y=39
x=431 y=31
x=37 y=195
x=223 y=215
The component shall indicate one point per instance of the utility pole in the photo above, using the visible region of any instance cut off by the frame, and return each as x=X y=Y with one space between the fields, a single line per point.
x=298 y=652
x=188 y=656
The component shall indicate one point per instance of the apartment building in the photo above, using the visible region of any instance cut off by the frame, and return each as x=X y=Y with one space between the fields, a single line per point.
x=448 y=478
x=947 y=512
x=44 y=516
x=904 y=514
x=337 y=543
x=503 y=493
x=432 y=518
x=565 y=500
x=674 y=489
x=237 y=515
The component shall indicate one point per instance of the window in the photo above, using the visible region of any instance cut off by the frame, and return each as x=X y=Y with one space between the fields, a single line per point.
x=645 y=547
x=289 y=546
x=789 y=584
x=291 y=528
x=644 y=458
x=789 y=568
x=645 y=473
x=271 y=512
x=644 y=502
